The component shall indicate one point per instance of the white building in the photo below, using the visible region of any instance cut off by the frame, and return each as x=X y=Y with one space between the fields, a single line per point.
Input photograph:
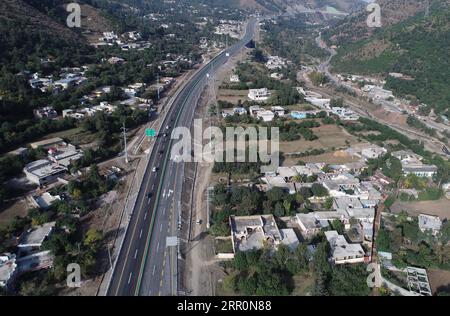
x=276 y=76
x=259 y=231
x=266 y=116
x=373 y=152
x=429 y=222
x=64 y=154
x=319 y=102
x=234 y=78
x=275 y=62
x=42 y=172
x=425 y=171
x=278 y=110
x=343 y=252
x=31 y=240
x=254 y=109
x=259 y=94
x=45 y=200
x=8 y=270
x=45 y=112
x=345 y=114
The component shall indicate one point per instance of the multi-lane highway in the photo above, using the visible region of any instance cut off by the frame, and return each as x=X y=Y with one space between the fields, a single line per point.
x=147 y=260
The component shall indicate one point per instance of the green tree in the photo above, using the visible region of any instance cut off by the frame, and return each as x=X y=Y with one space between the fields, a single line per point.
x=319 y=190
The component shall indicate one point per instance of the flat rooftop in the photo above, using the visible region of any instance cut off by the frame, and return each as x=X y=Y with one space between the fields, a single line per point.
x=36 y=236
x=43 y=168
x=341 y=248
x=253 y=232
x=47 y=142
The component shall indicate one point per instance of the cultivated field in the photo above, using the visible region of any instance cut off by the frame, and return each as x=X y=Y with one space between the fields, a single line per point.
x=329 y=137
x=439 y=279
x=439 y=208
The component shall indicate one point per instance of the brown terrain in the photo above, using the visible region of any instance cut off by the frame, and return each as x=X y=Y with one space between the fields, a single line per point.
x=297 y=5
x=354 y=27
x=93 y=23
x=32 y=19
x=439 y=280
x=439 y=208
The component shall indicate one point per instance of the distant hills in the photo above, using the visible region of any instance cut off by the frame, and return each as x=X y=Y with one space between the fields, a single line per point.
x=414 y=40
x=297 y=6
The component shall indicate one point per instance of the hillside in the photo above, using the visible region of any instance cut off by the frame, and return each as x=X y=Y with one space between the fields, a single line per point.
x=32 y=19
x=416 y=46
x=298 y=6
x=354 y=27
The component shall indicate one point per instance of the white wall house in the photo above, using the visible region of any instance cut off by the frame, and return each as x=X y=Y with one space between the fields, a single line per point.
x=259 y=94
x=373 y=152
x=234 y=78
x=343 y=252
x=425 y=171
x=266 y=116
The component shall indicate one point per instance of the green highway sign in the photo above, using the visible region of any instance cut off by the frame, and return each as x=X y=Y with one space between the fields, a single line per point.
x=150 y=132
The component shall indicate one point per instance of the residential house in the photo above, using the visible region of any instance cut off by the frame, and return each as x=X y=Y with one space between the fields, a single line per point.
x=276 y=76
x=259 y=94
x=44 y=201
x=319 y=102
x=73 y=114
x=254 y=109
x=420 y=170
x=259 y=231
x=278 y=110
x=63 y=154
x=343 y=252
x=116 y=60
x=45 y=112
x=265 y=115
x=275 y=62
x=373 y=152
x=31 y=241
x=429 y=223
x=234 y=79
x=43 y=171
x=8 y=271
x=239 y=111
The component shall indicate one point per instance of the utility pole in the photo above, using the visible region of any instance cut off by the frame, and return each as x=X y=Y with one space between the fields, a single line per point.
x=125 y=142
x=157 y=84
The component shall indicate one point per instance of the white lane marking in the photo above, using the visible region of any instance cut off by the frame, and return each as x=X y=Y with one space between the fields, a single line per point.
x=160 y=228
x=164 y=193
x=153 y=186
x=145 y=216
x=154 y=269
x=129 y=278
x=157 y=247
x=148 y=202
x=135 y=254
x=140 y=234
